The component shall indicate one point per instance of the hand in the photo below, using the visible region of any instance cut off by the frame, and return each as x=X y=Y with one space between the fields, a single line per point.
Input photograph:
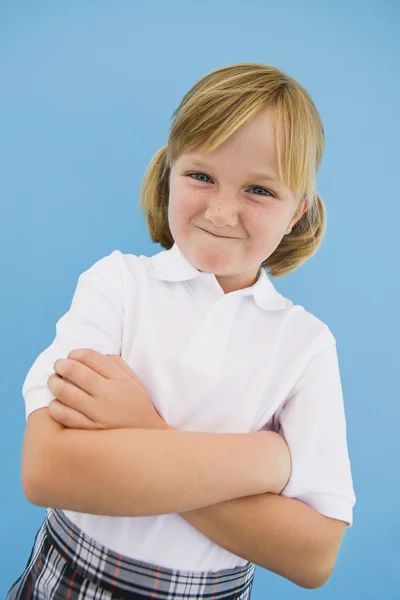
x=100 y=392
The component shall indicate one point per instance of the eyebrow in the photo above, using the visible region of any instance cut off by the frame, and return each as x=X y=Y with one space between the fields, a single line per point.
x=261 y=176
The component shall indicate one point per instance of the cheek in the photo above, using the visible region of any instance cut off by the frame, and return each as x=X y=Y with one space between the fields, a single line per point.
x=259 y=218
x=267 y=222
x=184 y=203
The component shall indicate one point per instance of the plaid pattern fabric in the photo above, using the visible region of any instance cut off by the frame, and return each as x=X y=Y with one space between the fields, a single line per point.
x=66 y=564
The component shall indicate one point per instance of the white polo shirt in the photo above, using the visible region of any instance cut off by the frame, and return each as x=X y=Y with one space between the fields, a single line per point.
x=212 y=362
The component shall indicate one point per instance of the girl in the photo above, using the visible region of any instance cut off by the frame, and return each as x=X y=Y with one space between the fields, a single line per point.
x=197 y=339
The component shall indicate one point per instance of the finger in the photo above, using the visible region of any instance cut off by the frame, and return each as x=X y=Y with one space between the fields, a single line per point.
x=69 y=417
x=120 y=362
x=80 y=375
x=96 y=361
x=70 y=395
x=85 y=368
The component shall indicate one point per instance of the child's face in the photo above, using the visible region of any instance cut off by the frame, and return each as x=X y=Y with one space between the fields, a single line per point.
x=229 y=202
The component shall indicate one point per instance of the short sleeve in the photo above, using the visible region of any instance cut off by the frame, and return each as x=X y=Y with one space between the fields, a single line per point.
x=312 y=421
x=94 y=320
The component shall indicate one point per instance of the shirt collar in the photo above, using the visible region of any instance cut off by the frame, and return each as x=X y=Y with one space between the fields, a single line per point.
x=172 y=265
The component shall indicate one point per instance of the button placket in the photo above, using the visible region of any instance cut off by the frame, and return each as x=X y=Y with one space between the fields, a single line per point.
x=208 y=346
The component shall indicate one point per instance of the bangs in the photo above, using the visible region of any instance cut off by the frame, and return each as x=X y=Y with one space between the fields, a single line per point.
x=213 y=116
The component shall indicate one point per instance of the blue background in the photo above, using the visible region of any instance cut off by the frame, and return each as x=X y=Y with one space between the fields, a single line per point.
x=87 y=93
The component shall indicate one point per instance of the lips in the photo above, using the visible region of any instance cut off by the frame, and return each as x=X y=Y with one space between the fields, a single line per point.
x=215 y=235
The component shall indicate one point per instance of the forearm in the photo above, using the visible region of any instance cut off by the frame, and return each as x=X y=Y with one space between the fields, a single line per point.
x=277 y=533
x=143 y=472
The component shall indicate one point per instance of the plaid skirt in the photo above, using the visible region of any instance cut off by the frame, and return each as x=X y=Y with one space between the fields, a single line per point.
x=66 y=564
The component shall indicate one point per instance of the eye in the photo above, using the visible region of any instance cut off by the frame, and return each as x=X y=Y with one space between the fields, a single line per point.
x=267 y=192
x=201 y=175
x=264 y=190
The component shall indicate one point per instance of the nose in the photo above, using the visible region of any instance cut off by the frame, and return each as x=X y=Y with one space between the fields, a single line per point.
x=222 y=213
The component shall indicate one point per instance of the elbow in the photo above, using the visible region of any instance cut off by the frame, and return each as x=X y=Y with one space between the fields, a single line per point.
x=320 y=561
x=36 y=483
x=30 y=489
x=313 y=584
x=26 y=481
x=305 y=576
x=310 y=582
x=315 y=579
x=320 y=581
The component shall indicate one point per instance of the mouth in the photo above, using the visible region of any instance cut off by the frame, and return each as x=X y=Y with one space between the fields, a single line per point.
x=224 y=237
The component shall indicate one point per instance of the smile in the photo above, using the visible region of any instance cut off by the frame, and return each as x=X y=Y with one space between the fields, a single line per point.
x=223 y=237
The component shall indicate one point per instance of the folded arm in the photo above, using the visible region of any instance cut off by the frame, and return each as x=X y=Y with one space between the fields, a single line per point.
x=145 y=472
x=280 y=534
x=101 y=472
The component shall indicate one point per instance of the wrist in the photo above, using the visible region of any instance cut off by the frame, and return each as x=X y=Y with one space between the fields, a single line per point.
x=283 y=464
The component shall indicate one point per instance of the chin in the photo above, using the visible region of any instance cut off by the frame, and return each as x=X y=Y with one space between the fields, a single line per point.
x=214 y=267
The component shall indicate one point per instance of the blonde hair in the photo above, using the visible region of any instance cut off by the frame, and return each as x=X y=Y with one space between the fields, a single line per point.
x=217 y=106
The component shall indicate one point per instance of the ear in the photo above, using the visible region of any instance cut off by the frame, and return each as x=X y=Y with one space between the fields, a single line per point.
x=303 y=206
